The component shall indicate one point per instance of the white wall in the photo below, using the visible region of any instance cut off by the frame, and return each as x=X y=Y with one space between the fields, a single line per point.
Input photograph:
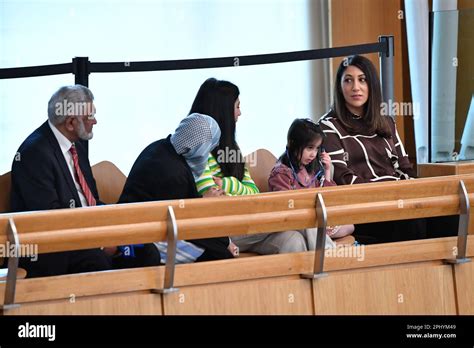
x=134 y=109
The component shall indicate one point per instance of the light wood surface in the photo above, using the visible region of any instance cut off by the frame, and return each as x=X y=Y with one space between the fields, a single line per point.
x=426 y=289
x=268 y=296
x=363 y=21
x=442 y=169
x=109 y=180
x=267 y=285
x=265 y=280
x=464 y=280
x=68 y=229
x=5 y=185
x=240 y=269
x=347 y=240
x=21 y=273
x=142 y=303
x=263 y=163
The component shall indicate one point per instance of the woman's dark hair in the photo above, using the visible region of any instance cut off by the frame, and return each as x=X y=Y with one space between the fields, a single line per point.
x=373 y=121
x=216 y=98
x=302 y=132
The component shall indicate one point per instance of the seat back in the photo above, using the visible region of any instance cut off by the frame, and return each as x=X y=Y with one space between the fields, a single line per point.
x=110 y=181
x=260 y=163
x=5 y=186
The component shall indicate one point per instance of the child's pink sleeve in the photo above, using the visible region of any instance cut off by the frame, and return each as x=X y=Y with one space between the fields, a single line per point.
x=280 y=178
x=329 y=183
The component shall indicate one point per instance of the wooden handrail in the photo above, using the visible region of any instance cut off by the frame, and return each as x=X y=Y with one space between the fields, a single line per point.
x=74 y=229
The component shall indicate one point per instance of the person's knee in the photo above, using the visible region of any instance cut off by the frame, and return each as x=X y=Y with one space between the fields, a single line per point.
x=294 y=244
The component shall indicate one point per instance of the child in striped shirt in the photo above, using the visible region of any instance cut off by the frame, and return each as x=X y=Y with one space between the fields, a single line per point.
x=225 y=173
x=213 y=179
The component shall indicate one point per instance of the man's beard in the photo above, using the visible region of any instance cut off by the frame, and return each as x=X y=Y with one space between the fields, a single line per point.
x=82 y=133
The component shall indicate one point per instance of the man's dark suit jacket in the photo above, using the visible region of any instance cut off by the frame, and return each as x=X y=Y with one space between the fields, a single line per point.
x=41 y=179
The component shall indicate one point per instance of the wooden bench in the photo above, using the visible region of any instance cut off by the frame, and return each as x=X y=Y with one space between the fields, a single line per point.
x=260 y=163
x=5 y=187
x=396 y=278
x=109 y=180
x=426 y=170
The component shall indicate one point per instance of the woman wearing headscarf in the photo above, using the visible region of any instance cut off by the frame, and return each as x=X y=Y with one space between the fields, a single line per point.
x=167 y=169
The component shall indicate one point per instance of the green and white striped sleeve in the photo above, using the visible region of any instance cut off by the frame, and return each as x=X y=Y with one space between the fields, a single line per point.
x=231 y=185
x=205 y=181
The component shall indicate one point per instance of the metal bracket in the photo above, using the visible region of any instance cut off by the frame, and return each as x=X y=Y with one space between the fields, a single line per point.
x=463 y=229
x=10 y=287
x=172 y=239
x=321 y=214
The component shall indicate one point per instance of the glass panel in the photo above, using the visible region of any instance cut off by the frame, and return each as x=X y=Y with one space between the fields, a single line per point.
x=452 y=86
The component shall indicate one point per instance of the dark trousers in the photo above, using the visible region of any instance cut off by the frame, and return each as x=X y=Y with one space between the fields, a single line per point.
x=442 y=226
x=66 y=262
x=401 y=230
x=90 y=260
x=214 y=248
x=145 y=256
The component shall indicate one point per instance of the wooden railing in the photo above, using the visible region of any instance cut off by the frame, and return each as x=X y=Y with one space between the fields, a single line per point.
x=74 y=229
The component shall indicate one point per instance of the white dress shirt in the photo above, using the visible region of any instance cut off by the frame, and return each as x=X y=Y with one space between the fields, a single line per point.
x=65 y=144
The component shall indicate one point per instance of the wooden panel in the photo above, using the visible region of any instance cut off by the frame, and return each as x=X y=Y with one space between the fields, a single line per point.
x=86 y=284
x=203 y=218
x=426 y=289
x=465 y=168
x=259 y=267
x=5 y=185
x=211 y=207
x=362 y=21
x=465 y=68
x=122 y=304
x=465 y=4
x=428 y=170
x=267 y=296
x=110 y=181
x=464 y=280
x=21 y=273
x=253 y=277
x=443 y=169
x=260 y=164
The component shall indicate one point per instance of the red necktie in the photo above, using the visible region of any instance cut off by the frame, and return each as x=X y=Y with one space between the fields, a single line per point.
x=80 y=177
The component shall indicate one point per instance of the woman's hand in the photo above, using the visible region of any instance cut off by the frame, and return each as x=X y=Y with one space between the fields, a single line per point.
x=218 y=181
x=111 y=251
x=326 y=161
x=234 y=249
x=214 y=192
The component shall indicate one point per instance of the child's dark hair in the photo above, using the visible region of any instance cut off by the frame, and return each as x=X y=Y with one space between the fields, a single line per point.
x=302 y=132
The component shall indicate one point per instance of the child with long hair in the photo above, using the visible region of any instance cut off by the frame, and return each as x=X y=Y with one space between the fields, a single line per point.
x=305 y=164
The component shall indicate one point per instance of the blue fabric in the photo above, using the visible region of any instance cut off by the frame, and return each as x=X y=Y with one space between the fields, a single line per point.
x=129 y=250
x=185 y=252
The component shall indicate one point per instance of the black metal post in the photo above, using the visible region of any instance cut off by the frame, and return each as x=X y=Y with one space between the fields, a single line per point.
x=80 y=69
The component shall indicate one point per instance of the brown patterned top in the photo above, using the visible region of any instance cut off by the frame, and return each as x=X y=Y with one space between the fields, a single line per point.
x=361 y=157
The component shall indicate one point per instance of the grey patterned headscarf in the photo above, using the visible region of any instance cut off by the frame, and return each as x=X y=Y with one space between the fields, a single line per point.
x=195 y=137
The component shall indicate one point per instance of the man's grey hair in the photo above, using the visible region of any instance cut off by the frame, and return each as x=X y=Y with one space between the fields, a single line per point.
x=72 y=100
